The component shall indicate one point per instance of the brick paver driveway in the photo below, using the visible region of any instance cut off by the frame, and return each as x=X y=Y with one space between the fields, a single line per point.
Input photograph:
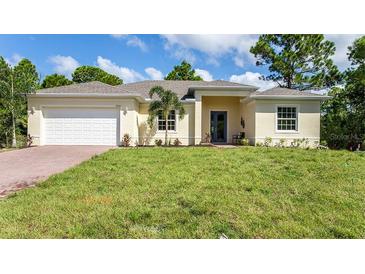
x=25 y=167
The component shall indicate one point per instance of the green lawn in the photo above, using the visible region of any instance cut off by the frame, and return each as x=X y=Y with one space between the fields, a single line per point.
x=196 y=193
x=6 y=149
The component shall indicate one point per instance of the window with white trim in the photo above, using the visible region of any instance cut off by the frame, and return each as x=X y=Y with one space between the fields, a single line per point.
x=171 y=121
x=287 y=118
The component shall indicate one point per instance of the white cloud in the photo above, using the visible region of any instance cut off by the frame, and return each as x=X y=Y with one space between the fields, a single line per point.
x=342 y=41
x=215 y=46
x=184 y=54
x=14 y=59
x=239 y=61
x=119 y=36
x=132 y=41
x=204 y=74
x=154 y=74
x=211 y=60
x=252 y=78
x=64 y=64
x=128 y=75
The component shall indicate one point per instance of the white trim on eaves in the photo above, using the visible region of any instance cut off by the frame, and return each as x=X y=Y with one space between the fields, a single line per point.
x=291 y=97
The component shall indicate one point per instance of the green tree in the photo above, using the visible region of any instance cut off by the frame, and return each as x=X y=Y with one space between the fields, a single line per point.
x=334 y=121
x=355 y=76
x=357 y=52
x=55 y=80
x=15 y=83
x=355 y=91
x=343 y=123
x=299 y=61
x=85 y=74
x=183 y=71
x=5 y=126
x=5 y=121
x=167 y=102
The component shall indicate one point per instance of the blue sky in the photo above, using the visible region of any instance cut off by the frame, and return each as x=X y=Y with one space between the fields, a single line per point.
x=140 y=57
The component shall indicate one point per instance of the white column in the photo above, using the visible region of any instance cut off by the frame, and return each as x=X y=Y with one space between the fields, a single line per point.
x=198 y=119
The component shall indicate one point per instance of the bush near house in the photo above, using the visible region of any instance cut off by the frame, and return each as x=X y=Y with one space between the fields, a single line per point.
x=196 y=192
x=158 y=142
x=245 y=142
x=177 y=142
x=126 y=141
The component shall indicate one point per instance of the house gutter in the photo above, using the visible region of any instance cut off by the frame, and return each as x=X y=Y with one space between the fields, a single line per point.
x=238 y=88
x=290 y=97
x=139 y=97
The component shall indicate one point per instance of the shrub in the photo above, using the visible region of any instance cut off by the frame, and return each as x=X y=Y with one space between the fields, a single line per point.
x=322 y=147
x=259 y=144
x=362 y=146
x=295 y=143
x=29 y=140
x=22 y=141
x=245 y=142
x=268 y=141
x=323 y=143
x=158 y=142
x=126 y=141
x=282 y=142
x=305 y=142
x=207 y=138
x=177 y=142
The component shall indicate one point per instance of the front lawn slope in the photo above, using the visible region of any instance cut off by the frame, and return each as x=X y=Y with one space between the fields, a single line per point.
x=196 y=193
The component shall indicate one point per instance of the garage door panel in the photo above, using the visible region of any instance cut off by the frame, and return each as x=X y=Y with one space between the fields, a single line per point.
x=71 y=126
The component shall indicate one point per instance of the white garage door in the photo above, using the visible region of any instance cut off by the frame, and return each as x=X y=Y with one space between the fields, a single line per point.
x=80 y=126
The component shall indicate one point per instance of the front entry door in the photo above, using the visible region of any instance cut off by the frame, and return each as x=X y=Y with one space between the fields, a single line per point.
x=218 y=126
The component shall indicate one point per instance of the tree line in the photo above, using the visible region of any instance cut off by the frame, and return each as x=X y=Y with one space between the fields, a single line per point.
x=301 y=62
x=83 y=74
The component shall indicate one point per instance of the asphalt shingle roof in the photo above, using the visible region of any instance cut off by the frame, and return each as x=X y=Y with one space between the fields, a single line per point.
x=89 y=87
x=181 y=88
x=285 y=92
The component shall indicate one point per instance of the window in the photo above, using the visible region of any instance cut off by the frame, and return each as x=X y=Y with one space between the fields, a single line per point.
x=287 y=118
x=171 y=121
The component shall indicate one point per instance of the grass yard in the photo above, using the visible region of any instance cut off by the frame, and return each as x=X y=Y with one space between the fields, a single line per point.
x=6 y=149
x=196 y=193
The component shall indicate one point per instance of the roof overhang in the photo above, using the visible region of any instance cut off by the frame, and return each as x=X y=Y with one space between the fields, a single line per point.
x=240 y=91
x=291 y=97
x=238 y=88
x=136 y=96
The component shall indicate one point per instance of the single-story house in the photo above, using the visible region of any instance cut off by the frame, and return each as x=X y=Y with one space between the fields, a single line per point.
x=95 y=113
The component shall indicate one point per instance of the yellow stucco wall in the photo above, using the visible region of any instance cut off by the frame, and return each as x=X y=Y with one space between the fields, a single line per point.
x=308 y=121
x=259 y=117
x=220 y=103
x=248 y=114
x=128 y=113
x=184 y=128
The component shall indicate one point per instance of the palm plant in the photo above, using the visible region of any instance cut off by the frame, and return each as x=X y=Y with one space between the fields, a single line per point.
x=167 y=102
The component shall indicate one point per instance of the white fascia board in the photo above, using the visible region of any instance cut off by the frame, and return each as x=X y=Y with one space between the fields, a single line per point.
x=86 y=95
x=238 y=88
x=290 y=97
x=188 y=101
